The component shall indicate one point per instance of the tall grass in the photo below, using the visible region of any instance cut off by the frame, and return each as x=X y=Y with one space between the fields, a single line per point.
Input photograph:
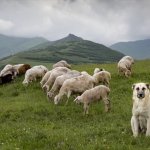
x=29 y=121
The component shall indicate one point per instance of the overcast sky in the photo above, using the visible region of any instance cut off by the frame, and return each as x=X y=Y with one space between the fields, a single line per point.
x=102 y=21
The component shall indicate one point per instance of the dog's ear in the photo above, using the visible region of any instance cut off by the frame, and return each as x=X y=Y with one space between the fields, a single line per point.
x=133 y=86
x=147 y=85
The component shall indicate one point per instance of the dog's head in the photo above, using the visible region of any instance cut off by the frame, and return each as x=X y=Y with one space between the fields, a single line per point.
x=140 y=90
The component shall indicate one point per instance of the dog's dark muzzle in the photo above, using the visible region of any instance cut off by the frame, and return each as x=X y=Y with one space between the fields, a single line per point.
x=141 y=95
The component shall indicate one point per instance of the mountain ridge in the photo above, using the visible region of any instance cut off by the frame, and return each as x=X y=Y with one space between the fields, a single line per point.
x=139 y=49
x=10 y=45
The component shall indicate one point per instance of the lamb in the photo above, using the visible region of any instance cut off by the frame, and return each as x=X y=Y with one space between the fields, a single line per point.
x=62 y=63
x=34 y=73
x=94 y=94
x=54 y=74
x=60 y=80
x=102 y=77
x=75 y=85
x=125 y=64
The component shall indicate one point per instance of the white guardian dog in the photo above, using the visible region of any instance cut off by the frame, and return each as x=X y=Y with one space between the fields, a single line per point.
x=140 y=121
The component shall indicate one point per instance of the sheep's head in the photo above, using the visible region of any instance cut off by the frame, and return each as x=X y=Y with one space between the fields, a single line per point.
x=78 y=100
x=25 y=83
x=50 y=95
x=56 y=100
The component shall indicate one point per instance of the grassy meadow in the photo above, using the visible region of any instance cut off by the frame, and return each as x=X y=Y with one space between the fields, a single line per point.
x=29 y=121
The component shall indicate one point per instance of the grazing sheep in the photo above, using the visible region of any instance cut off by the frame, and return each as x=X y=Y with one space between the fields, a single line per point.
x=75 y=85
x=22 y=69
x=102 y=77
x=94 y=94
x=124 y=65
x=5 y=69
x=45 y=78
x=34 y=73
x=96 y=70
x=54 y=74
x=62 y=63
x=59 y=82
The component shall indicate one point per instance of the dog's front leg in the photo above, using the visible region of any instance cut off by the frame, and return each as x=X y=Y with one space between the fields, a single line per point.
x=135 y=126
x=148 y=127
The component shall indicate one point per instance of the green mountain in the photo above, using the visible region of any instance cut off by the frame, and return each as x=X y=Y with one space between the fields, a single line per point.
x=10 y=45
x=71 y=48
x=69 y=38
x=137 y=49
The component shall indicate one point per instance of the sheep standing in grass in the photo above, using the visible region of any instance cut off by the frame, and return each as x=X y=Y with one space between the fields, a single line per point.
x=97 y=93
x=53 y=75
x=124 y=66
x=62 y=63
x=75 y=85
x=59 y=82
x=34 y=73
x=102 y=77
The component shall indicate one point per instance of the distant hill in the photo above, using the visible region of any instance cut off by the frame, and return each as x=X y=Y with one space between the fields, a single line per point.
x=69 y=38
x=137 y=49
x=71 y=48
x=10 y=45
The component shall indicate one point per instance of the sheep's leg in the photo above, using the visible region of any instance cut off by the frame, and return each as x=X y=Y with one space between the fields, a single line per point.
x=68 y=96
x=86 y=109
x=107 y=104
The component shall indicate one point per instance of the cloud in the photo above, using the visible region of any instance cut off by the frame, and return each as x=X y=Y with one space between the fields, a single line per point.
x=5 y=25
x=97 y=20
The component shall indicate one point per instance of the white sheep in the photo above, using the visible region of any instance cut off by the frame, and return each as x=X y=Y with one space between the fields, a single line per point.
x=102 y=77
x=60 y=80
x=5 y=69
x=53 y=75
x=9 y=69
x=62 y=63
x=75 y=85
x=124 y=65
x=34 y=73
x=97 y=93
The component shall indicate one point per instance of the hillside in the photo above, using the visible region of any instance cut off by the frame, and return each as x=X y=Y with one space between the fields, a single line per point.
x=71 y=48
x=137 y=49
x=29 y=121
x=10 y=45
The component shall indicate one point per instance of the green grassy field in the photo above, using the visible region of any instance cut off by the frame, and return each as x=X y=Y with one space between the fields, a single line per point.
x=29 y=121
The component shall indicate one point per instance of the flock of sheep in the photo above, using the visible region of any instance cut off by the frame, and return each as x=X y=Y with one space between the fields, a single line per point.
x=61 y=80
